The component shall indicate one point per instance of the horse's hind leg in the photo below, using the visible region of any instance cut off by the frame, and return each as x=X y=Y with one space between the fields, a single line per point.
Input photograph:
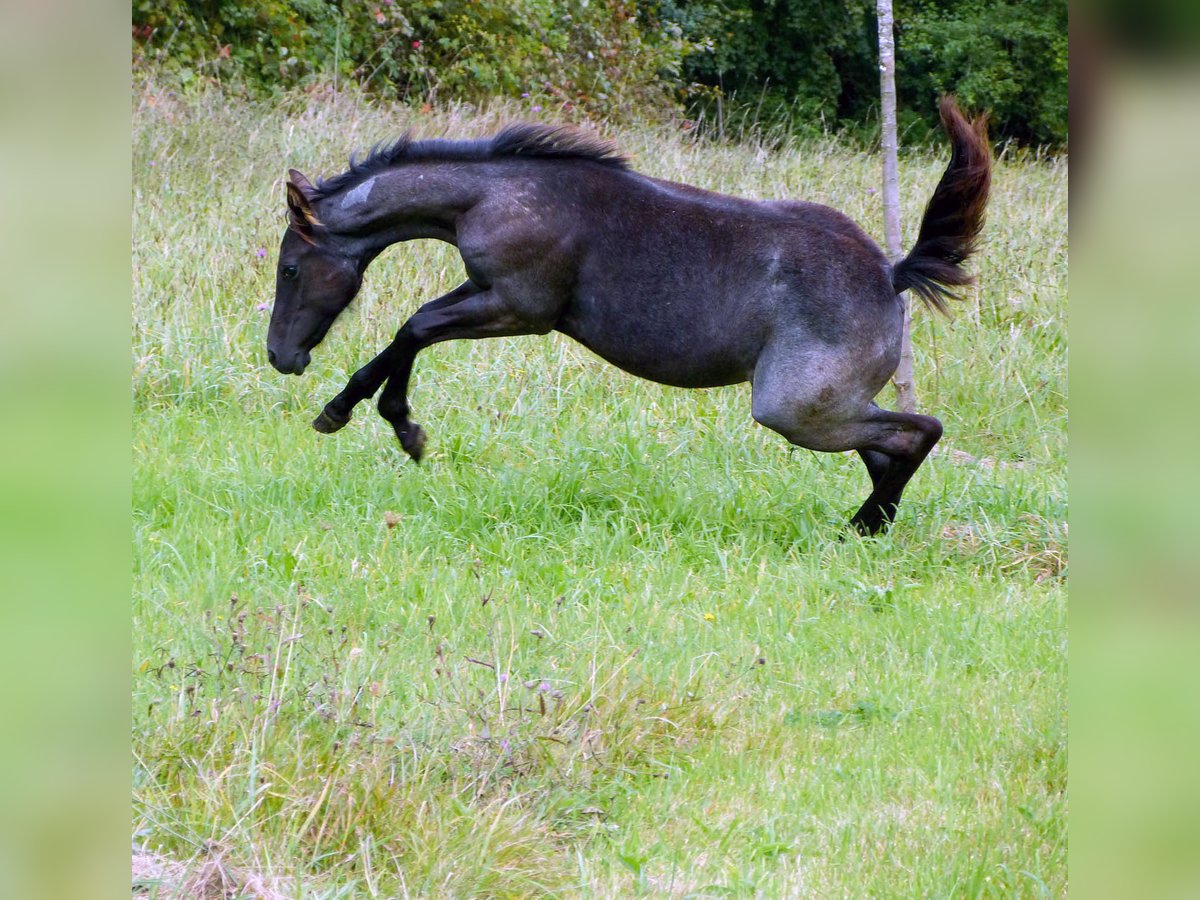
x=877 y=464
x=906 y=439
x=828 y=416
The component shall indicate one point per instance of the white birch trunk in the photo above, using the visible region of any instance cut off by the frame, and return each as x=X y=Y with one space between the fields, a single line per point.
x=906 y=395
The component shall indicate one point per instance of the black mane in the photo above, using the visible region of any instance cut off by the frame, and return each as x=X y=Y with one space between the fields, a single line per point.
x=534 y=141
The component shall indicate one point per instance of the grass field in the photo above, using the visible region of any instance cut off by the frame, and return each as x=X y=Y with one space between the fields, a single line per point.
x=607 y=640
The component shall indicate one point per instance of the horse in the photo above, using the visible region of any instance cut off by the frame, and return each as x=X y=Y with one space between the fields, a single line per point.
x=669 y=282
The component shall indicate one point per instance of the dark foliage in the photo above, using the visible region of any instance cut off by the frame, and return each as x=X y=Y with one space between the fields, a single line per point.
x=800 y=64
x=815 y=61
x=595 y=57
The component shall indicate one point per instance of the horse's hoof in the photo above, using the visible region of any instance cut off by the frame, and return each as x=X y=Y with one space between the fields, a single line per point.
x=867 y=526
x=327 y=424
x=412 y=439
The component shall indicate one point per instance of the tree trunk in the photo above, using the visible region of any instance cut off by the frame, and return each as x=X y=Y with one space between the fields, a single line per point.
x=906 y=395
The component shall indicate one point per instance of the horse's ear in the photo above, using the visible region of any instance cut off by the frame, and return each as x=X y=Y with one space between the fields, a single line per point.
x=301 y=182
x=300 y=211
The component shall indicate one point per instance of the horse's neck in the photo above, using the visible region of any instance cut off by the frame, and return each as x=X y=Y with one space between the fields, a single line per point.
x=416 y=200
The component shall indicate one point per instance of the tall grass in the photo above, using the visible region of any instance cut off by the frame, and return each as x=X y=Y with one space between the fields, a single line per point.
x=608 y=638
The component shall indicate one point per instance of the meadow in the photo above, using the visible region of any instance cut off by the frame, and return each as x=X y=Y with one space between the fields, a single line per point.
x=609 y=638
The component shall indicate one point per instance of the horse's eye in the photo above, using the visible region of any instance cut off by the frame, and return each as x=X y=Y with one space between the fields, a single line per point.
x=288 y=273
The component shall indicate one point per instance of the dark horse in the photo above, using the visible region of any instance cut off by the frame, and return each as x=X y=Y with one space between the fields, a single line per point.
x=669 y=282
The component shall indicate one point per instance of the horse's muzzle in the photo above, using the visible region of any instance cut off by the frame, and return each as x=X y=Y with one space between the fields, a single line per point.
x=293 y=364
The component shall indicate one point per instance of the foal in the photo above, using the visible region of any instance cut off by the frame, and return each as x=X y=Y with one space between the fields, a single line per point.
x=669 y=282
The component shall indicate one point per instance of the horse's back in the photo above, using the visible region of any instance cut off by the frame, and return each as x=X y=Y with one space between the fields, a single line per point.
x=806 y=251
x=687 y=286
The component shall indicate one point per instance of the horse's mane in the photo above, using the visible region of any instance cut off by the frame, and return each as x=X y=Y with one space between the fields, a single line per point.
x=520 y=140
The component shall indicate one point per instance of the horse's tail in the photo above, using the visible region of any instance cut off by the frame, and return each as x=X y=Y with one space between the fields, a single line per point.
x=953 y=219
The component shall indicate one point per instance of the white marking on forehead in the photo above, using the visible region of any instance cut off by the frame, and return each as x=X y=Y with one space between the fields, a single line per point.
x=359 y=195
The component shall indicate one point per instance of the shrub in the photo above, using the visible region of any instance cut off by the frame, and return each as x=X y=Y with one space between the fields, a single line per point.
x=815 y=61
x=802 y=64
x=1007 y=57
x=598 y=57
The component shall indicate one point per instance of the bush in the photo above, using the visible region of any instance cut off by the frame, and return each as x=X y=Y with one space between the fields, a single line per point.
x=802 y=64
x=597 y=57
x=810 y=61
x=1006 y=57
x=816 y=61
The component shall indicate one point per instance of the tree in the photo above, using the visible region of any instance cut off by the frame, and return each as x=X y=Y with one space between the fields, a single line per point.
x=906 y=395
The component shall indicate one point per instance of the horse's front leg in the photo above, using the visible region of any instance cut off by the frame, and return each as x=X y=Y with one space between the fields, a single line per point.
x=479 y=316
x=366 y=381
x=362 y=384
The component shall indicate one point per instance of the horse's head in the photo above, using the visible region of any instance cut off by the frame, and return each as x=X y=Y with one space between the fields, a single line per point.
x=313 y=284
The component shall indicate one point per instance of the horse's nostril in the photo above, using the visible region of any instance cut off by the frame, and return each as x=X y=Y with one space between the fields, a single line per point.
x=271 y=357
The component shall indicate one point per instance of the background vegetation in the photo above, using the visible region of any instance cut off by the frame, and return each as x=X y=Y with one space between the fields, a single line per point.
x=608 y=639
x=806 y=64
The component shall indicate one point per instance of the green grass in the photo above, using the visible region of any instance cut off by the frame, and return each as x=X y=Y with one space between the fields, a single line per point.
x=608 y=639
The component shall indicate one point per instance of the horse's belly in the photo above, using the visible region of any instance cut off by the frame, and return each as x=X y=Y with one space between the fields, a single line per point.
x=681 y=358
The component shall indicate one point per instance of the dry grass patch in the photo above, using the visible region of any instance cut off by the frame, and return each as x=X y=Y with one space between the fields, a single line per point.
x=207 y=876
